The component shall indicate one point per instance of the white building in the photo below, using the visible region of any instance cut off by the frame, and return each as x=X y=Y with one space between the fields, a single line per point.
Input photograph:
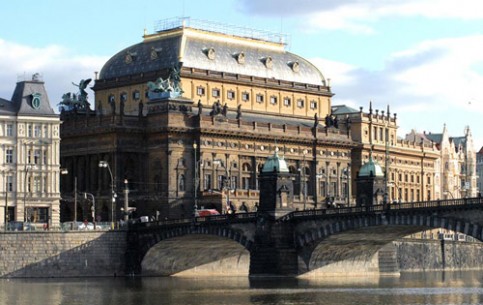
x=29 y=133
x=458 y=177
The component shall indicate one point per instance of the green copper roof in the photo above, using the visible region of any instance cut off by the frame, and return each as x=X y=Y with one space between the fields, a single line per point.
x=275 y=163
x=371 y=168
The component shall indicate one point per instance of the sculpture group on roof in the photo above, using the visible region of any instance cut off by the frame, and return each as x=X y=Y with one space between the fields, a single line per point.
x=171 y=85
x=74 y=102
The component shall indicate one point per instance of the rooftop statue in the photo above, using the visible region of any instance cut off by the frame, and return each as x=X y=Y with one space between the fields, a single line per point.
x=74 y=102
x=166 y=88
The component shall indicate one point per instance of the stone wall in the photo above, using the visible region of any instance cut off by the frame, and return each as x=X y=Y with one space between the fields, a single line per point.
x=425 y=255
x=62 y=254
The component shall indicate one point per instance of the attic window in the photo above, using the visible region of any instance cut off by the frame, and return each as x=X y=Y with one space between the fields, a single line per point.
x=295 y=66
x=155 y=52
x=268 y=62
x=130 y=57
x=240 y=58
x=210 y=53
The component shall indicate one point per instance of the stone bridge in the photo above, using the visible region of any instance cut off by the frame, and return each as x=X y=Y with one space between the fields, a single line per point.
x=301 y=243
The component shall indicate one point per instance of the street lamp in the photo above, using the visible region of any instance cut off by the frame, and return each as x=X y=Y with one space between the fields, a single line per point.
x=27 y=168
x=126 y=201
x=93 y=208
x=195 y=193
x=6 y=197
x=304 y=182
x=104 y=164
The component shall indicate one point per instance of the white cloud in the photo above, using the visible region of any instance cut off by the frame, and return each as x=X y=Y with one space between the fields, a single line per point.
x=358 y=15
x=433 y=83
x=58 y=66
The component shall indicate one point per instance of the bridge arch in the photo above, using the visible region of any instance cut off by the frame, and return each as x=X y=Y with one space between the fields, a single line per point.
x=320 y=230
x=355 y=244
x=182 y=250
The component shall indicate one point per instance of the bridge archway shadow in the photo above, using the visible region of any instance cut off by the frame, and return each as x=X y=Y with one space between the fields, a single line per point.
x=196 y=255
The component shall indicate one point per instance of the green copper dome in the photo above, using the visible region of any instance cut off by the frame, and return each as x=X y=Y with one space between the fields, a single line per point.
x=275 y=164
x=371 y=168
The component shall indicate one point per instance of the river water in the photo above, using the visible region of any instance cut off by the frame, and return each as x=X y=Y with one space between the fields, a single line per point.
x=407 y=289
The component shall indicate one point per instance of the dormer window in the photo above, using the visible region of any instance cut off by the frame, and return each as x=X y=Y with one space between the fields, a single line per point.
x=268 y=62
x=155 y=52
x=130 y=57
x=210 y=53
x=240 y=58
x=295 y=66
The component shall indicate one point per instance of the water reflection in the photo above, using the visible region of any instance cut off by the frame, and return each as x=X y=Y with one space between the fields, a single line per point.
x=409 y=288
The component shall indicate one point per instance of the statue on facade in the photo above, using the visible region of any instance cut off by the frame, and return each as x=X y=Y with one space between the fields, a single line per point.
x=140 y=109
x=316 y=120
x=112 y=102
x=224 y=110
x=200 y=107
x=216 y=108
x=238 y=112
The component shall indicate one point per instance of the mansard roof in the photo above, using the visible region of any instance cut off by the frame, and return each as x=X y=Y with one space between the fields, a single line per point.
x=203 y=50
x=22 y=102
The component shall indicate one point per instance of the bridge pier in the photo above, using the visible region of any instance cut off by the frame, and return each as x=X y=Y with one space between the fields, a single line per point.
x=274 y=253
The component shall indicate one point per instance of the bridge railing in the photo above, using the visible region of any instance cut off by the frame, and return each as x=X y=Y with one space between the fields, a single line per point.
x=222 y=218
x=434 y=204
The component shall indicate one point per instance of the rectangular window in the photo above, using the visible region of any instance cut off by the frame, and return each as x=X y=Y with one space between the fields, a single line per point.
x=40 y=215
x=259 y=98
x=37 y=156
x=10 y=183
x=313 y=105
x=37 y=131
x=300 y=103
x=37 y=184
x=207 y=182
x=287 y=102
x=215 y=92
x=29 y=131
x=273 y=100
x=230 y=95
x=245 y=96
x=29 y=184
x=246 y=183
x=46 y=131
x=9 y=130
x=29 y=156
x=200 y=91
x=221 y=182
x=45 y=157
x=136 y=95
x=45 y=185
x=234 y=182
x=9 y=155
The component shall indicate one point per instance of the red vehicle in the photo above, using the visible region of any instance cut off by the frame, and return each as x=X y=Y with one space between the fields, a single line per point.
x=206 y=212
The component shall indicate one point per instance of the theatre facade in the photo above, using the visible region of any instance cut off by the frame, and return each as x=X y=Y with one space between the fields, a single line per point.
x=186 y=119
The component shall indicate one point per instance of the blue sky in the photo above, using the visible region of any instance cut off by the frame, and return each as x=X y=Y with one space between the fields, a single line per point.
x=424 y=58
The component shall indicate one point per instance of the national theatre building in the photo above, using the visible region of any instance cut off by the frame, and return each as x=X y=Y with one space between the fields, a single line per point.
x=186 y=119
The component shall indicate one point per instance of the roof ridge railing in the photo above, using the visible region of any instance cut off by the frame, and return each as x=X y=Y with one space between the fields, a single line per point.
x=218 y=27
